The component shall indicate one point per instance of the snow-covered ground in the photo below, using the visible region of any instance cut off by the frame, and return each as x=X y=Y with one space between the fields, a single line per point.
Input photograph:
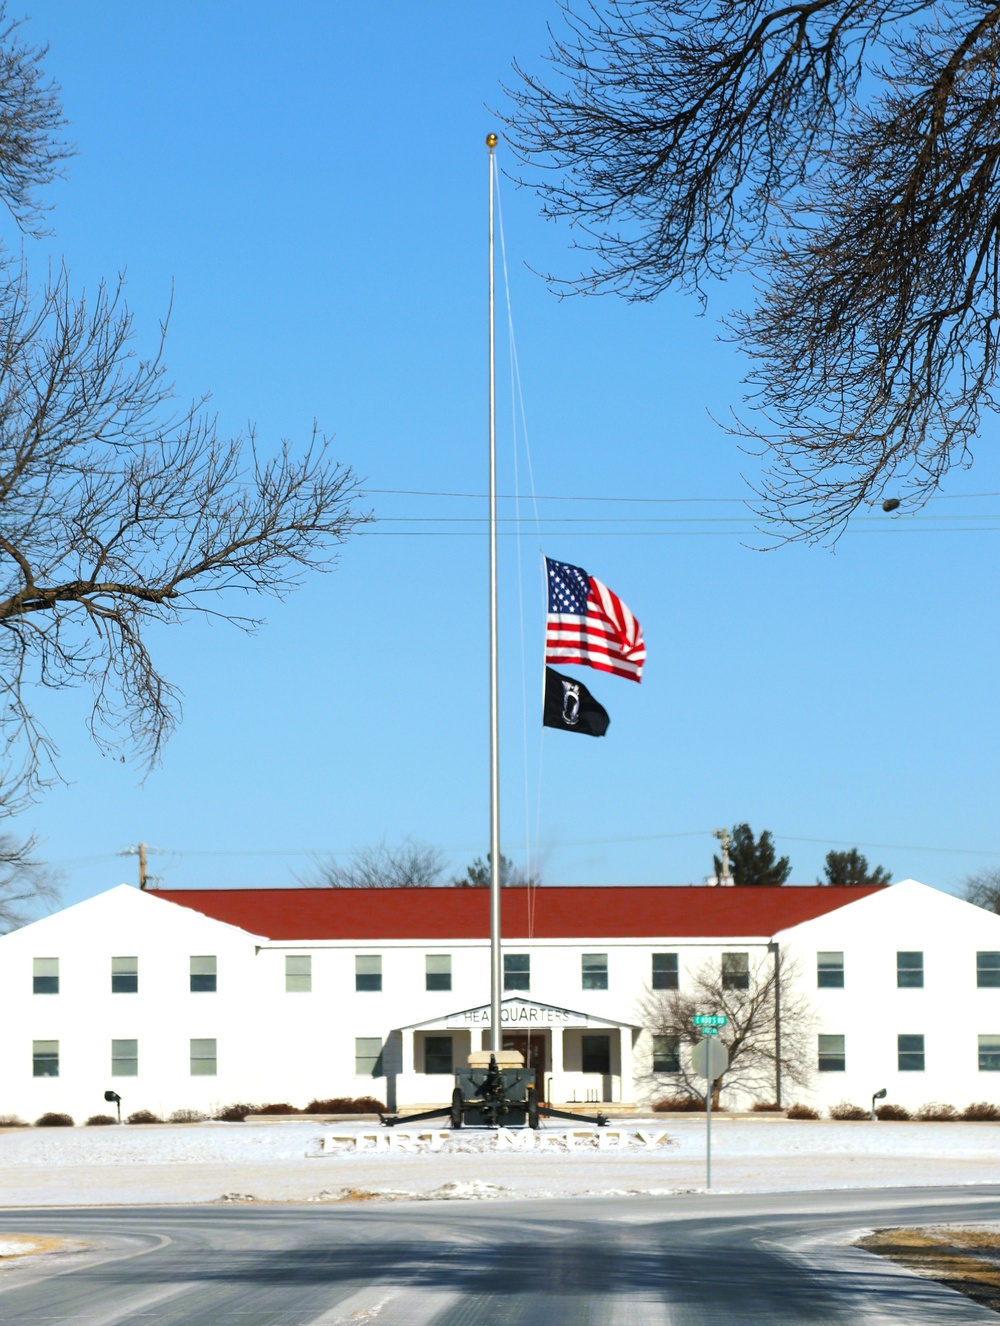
x=286 y=1162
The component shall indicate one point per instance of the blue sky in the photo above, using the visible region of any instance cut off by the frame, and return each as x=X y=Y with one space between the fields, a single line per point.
x=310 y=181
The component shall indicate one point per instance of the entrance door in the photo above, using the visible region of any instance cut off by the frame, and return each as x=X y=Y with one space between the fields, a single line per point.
x=532 y=1048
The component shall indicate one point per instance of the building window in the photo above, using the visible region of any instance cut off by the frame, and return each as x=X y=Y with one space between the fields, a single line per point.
x=438 y=971
x=830 y=971
x=45 y=975
x=124 y=975
x=124 y=1058
x=517 y=971
x=989 y=1054
x=438 y=1056
x=910 y=1050
x=204 y=1060
x=203 y=975
x=987 y=970
x=666 y=1054
x=368 y=972
x=298 y=973
x=45 y=1058
x=368 y=1057
x=736 y=971
x=832 y=1055
x=910 y=970
x=596 y=1054
x=595 y=971
x=665 y=975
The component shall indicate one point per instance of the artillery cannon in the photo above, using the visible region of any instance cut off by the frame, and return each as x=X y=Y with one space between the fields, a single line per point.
x=494 y=1092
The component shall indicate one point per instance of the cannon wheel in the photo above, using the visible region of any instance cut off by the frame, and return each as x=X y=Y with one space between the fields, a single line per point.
x=457 y=1101
x=532 y=1108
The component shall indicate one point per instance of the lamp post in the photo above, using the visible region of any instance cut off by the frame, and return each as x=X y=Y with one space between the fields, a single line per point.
x=879 y=1095
x=110 y=1096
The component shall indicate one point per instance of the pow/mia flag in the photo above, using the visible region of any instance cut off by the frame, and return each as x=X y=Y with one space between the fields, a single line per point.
x=571 y=707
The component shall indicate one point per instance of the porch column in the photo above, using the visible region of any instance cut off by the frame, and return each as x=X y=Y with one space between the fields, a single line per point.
x=625 y=1037
x=406 y=1053
x=558 y=1092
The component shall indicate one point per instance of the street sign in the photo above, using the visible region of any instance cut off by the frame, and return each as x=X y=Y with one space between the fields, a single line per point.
x=710 y=1059
x=710 y=1031
x=709 y=1019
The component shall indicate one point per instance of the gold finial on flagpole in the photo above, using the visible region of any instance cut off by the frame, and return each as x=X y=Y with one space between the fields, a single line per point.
x=491 y=141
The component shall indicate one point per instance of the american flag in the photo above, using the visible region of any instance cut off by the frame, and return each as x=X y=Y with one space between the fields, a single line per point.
x=588 y=624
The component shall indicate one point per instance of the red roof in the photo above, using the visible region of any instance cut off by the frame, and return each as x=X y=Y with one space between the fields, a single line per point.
x=558 y=913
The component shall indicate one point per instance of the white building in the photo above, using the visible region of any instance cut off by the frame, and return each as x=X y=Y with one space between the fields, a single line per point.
x=195 y=999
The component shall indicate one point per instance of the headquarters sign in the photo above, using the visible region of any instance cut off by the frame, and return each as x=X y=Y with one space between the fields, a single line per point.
x=520 y=1015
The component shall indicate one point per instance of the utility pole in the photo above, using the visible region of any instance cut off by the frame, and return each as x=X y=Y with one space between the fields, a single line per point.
x=141 y=851
x=725 y=842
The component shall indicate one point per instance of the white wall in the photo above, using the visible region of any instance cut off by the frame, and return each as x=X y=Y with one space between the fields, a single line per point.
x=278 y=1046
x=951 y=1012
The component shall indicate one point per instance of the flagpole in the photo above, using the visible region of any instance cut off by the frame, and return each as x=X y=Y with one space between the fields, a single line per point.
x=496 y=974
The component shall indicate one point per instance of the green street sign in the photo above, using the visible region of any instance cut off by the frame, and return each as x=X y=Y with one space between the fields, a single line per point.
x=709 y=1019
x=710 y=1031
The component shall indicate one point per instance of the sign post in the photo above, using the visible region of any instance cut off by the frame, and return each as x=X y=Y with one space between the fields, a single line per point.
x=710 y=1060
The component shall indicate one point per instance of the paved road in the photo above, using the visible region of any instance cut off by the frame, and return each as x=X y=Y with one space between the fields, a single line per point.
x=679 y=1261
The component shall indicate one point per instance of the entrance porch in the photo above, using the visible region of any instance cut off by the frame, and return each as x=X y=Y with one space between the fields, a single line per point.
x=574 y=1057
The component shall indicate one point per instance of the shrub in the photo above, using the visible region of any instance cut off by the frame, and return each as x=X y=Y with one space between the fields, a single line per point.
x=187 y=1116
x=801 y=1112
x=766 y=1107
x=939 y=1113
x=346 y=1105
x=144 y=1116
x=52 y=1120
x=893 y=1114
x=845 y=1110
x=12 y=1121
x=678 y=1105
x=980 y=1110
x=234 y=1113
x=281 y=1108
x=97 y=1119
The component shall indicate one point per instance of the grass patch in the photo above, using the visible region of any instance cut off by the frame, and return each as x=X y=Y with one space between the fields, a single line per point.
x=966 y=1260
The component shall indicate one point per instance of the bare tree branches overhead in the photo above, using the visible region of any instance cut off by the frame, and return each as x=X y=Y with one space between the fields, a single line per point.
x=847 y=153
x=745 y=994
x=31 y=123
x=120 y=511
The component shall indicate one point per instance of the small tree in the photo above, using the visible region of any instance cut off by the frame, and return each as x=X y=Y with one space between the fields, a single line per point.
x=746 y=996
x=753 y=861
x=477 y=876
x=983 y=890
x=411 y=865
x=851 y=868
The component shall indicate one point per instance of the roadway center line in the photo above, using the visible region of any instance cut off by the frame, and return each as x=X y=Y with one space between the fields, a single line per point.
x=388 y=1305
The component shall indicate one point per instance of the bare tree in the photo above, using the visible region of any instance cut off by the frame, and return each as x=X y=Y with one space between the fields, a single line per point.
x=983 y=890
x=26 y=884
x=745 y=993
x=411 y=865
x=119 y=516
x=120 y=511
x=847 y=154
